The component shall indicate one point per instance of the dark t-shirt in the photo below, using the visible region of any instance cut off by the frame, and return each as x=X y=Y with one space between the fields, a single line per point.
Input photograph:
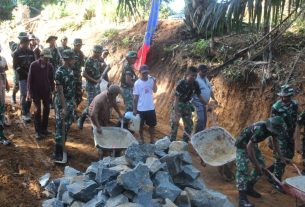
x=40 y=79
x=22 y=59
x=185 y=90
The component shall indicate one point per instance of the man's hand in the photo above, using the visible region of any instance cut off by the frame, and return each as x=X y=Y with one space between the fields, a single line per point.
x=99 y=130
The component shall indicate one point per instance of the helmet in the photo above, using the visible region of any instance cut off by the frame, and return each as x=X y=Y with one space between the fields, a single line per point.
x=114 y=89
x=276 y=125
x=68 y=54
x=286 y=90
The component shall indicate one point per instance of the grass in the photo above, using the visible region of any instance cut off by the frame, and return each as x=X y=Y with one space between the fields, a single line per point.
x=199 y=47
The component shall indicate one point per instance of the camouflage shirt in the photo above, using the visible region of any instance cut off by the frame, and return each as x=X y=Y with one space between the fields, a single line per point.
x=185 y=90
x=288 y=112
x=257 y=132
x=93 y=69
x=55 y=60
x=127 y=70
x=64 y=77
x=80 y=61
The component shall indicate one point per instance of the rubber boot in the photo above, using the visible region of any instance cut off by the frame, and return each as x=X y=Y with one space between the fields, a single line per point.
x=80 y=121
x=58 y=152
x=243 y=200
x=251 y=192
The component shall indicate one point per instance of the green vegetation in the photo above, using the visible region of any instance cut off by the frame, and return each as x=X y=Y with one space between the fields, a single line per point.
x=110 y=33
x=6 y=8
x=71 y=26
x=126 y=41
x=199 y=47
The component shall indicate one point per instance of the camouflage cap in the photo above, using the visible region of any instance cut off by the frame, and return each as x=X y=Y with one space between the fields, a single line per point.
x=132 y=54
x=24 y=39
x=78 y=41
x=68 y=54
x=97 y=49
x=22 y=34
x=64 y=38
x=286 y=90
x=46 y=53
x=50 y=38
x=276 y=125
x=114 y=89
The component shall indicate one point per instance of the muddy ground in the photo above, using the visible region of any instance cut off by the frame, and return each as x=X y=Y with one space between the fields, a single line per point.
x=24 y=162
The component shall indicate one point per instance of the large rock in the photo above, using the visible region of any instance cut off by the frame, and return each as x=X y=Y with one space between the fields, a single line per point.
x=105 y=175
x=190 y=172
x=71 y=172
x=138 y=153
x=183 y=200
x=106 y=162
x=115 y=201
x=98 y=201
x=113 y=188
x=62 y=189
x=164 y=187
x=83 y=190
x=66 y=198
x=92 y=170
x=174 y=163
x=52 y=203
x=153 y=164
x=163 y=144
x=178 y=146
x=43 y=180
x=120 y=168
x=120 y=161
x=160 y=153
x=136 y=179
x=77 y=204
x=207 y=198
x=182 y=182
x=144 y=198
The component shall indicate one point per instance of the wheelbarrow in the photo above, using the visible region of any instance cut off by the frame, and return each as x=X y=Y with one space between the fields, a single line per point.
x=293 y=186
x=113 y=139
x=215 y=146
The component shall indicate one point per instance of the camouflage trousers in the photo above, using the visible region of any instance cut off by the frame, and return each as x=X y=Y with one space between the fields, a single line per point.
x=128 y=99
x=78 y=92
x=287 y=150
x=185 y=112
x=243 y=175
x=63 y=123
x=15 y=82
x=92 y=91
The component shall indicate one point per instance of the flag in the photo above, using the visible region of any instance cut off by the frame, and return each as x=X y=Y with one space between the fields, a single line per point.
x=150 y=30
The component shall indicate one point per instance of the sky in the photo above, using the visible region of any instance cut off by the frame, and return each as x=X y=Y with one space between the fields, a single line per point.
x=177 y=5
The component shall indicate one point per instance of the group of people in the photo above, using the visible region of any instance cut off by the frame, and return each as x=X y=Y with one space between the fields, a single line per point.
x=283 y=128
x=52 y=76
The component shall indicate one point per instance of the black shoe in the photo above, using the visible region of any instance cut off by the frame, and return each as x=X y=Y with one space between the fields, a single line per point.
x=4 y=141
x=58 y=152
x=46 y=133
x=38 y=136
x=251 y=192
x=243 y=200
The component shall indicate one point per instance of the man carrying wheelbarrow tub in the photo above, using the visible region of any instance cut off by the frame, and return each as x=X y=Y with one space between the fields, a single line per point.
x=247 y=149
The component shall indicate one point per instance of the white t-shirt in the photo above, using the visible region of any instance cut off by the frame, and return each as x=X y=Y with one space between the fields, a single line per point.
x=205 y=89
x=144 y=89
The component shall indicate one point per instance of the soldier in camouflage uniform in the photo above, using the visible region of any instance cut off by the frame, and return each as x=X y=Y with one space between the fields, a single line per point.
x=77 y=68
x=247 y=149
x=93 y=74
x=64 y=42
x=14 y=46
x=288 y=110
x=182 y=106
x=301 y=123
x=56 y=56
x=128 y=78
x=3 y=86
x=64 y=102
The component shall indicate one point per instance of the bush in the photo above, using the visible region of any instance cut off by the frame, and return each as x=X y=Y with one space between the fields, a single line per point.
x=110 y=33
x=199 y=47
x=55 y=11
x=72 y=26
x=125 y=41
